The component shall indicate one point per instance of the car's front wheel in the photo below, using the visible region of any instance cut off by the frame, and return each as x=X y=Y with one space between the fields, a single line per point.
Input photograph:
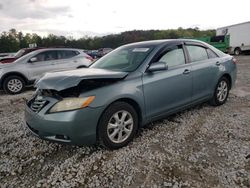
x=117 y=125
x=221 y=92
x=13 y=85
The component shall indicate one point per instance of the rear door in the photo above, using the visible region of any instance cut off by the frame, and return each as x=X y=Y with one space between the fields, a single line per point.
x=205 y=68
x=167 y=90
x=67 y=59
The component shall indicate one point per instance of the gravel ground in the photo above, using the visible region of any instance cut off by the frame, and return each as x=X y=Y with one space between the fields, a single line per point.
x=201 y=147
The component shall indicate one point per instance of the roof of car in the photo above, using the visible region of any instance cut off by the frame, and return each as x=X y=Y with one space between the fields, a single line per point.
x=163 y=41
x=45 y=49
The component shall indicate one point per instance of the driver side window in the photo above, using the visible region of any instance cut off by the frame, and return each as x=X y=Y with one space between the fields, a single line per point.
x=173 y=56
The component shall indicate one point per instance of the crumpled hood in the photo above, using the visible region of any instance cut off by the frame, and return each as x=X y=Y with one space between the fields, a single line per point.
x=66 y=79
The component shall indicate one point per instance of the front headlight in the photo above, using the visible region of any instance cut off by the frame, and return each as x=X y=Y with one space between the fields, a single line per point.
x=71 y=104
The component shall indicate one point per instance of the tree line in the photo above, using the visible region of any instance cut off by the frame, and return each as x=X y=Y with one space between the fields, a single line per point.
x=13 y=40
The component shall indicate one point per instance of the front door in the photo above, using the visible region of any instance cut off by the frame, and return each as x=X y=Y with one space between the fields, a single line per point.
x=45 y=62
x=166 y=90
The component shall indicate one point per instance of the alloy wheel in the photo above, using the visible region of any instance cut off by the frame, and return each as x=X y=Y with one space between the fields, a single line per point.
x=120 y=126
x=222 y=91
x=15 y=85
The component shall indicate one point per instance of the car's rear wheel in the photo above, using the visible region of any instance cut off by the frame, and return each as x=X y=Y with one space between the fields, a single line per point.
x=221 y=92
x=117 y=125
x=13 y=85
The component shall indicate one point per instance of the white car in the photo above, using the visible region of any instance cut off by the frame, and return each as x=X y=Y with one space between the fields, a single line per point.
x=27 y=69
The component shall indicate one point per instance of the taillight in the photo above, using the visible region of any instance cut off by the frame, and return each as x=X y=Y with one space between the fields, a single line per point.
x=89 y=58
x=234 y=60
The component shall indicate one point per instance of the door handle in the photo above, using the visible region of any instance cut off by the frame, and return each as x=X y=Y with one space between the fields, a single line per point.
x=186 y=71
x=218 y=63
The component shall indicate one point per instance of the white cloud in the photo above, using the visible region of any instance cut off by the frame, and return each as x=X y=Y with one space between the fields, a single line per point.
x=80 y=17
x=22 y=9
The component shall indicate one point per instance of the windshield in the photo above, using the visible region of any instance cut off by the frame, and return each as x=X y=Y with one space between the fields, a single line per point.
x=19 y=53
x=125 y=59
x=29 y=55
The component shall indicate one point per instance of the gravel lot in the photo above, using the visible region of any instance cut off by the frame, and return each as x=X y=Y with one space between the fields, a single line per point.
x=201 y=147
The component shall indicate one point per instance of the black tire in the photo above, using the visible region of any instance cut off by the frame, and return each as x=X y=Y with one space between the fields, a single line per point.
x=102 y=129
x=215 y=101
x=7 y=88
x=237 y=51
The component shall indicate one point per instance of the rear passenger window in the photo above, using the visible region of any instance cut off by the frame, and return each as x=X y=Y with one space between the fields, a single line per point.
x=173 y=56
x=211 y=54
x=65 y=54
x=197 y=53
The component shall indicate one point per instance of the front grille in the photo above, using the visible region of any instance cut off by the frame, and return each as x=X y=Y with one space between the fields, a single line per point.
x=37 y=104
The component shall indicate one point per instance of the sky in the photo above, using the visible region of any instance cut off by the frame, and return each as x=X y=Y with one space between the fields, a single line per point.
x=80 y=18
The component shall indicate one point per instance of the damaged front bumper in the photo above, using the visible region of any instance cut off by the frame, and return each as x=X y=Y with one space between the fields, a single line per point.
x=76 y=127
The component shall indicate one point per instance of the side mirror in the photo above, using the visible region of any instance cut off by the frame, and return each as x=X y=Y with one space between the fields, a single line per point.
x=33 y=59
x=157 y=66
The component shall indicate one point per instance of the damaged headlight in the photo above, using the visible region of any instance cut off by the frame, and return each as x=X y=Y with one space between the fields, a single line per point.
x=71 y=104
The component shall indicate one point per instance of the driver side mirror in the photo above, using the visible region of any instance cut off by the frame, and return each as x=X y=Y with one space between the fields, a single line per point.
x=33 y=59
x=157 y=66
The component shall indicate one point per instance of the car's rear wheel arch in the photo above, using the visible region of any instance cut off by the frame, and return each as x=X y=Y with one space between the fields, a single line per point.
x=228 y=77
x=221 y=91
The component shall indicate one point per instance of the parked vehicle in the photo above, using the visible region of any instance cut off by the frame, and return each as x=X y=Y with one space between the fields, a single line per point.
x=126 y=89
x=25 y=70
x=20 y=53
x=4 y=55
x=239 y=37
x=221 y=42
x=95 y=54
x=92 y=53
x=103 y=51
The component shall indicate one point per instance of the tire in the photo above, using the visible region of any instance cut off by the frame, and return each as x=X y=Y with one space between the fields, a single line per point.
x=237 y=51
x=223 y=88
x=13 y=85
x=114 y=131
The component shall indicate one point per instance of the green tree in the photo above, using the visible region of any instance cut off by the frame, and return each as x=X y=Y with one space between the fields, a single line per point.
x=12 y=40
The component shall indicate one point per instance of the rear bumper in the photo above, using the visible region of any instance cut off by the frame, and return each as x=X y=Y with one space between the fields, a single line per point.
x=76 y=127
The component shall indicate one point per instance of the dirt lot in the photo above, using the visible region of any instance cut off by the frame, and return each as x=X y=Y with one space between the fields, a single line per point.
x=201 y=147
